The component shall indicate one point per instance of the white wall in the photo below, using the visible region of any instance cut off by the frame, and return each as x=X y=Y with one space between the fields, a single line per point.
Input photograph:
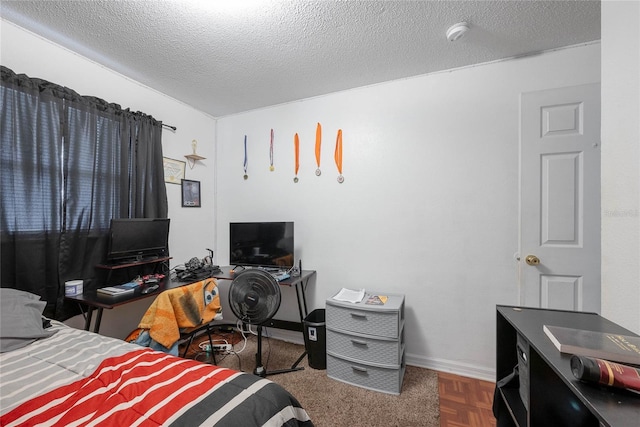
x=429 y=205
x=621 y=163
x=191 y=229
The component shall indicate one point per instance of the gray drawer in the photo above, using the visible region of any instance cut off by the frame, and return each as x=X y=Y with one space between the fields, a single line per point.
x=385 y=351
x=375 y=378
x=371 y=322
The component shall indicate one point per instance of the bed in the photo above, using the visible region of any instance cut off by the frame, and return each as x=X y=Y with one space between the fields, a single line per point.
x=61 y=376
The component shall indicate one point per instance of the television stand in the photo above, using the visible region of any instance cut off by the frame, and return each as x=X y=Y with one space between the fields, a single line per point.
x=110 y=268
x=131 y=263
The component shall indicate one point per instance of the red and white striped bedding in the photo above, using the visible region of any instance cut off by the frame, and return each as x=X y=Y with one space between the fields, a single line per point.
x=77 y=378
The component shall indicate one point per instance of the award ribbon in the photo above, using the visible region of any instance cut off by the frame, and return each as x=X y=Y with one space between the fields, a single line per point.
x=271 y=168
x=245 y=158
x=318 y=144
x=296 y=147
x=338 y=156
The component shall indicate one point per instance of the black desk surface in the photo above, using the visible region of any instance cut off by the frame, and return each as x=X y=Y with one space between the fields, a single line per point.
x=228 y=273
x=93 y=299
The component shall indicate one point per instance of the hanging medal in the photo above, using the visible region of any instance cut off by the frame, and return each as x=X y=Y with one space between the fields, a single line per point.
x=271 y=167
x=338 y=156
x=296 y=149
x=318 y=144
x=245 y=158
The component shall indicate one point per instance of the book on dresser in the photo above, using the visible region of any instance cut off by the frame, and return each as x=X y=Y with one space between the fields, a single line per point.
x=376 y=300
x=601 y=345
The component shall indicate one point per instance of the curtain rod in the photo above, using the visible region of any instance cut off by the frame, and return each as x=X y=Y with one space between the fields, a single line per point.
x=173 y=128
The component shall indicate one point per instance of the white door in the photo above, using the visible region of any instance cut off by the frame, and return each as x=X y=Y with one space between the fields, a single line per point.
x=560 y=198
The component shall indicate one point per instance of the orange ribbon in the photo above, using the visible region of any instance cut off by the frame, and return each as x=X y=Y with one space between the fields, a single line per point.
x=338 y=153
x=318 y=143
x=296 y=145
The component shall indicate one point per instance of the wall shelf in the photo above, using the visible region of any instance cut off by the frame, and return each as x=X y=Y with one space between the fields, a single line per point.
x=193 y=158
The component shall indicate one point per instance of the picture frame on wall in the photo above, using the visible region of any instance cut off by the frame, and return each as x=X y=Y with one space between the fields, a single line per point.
x=190 y=194
x=173 y=170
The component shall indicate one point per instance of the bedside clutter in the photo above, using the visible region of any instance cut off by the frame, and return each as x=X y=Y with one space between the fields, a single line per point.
x=365 y=341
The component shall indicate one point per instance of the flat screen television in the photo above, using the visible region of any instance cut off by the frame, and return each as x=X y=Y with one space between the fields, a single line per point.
x=137 y=239
x=262 y=244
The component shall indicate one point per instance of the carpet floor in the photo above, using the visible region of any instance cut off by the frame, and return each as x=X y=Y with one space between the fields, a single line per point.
x=332 y=403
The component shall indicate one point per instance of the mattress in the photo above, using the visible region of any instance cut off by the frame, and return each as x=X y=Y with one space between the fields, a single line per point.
x=76 y=377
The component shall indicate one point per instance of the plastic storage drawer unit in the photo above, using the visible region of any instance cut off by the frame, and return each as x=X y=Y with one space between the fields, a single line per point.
x=365 y=342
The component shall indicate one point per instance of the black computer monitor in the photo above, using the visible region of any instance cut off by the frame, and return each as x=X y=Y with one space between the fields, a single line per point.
x=263 y=244
x=136 y=239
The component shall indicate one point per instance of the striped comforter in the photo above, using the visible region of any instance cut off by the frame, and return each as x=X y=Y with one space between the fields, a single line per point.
x=77 y=378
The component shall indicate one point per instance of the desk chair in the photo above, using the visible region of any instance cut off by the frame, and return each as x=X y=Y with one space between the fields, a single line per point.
x=182 y=313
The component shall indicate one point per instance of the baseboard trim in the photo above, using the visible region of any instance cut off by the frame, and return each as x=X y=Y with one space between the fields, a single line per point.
x=442 y=365
x=283 y=335
x=458 y=368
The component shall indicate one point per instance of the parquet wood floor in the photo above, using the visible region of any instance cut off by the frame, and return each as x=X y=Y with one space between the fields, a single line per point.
x=465 y=401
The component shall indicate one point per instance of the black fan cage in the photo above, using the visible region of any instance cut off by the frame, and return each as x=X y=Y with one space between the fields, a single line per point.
x=254 y=296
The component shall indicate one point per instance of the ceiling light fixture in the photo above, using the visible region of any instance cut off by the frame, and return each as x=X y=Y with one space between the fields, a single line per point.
x=457 y=31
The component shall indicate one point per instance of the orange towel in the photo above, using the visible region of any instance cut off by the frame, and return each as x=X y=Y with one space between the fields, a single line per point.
x=182 y=307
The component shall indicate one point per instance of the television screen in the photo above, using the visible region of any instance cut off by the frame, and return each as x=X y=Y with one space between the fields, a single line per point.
x=264 y=244
x=135 y=239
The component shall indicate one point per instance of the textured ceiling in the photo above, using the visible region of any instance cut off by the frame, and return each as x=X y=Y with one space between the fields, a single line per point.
x=228 y=56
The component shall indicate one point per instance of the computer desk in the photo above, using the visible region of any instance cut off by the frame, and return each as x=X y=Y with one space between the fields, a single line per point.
x=97 y=302
x=94 y=301
x=299 y=282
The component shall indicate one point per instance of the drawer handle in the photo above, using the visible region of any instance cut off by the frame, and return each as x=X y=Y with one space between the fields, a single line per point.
x=358 y=368
x=359 y=315
x=358 y=342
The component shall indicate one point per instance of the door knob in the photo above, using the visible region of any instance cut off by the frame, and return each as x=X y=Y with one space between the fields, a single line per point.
x=532 y=260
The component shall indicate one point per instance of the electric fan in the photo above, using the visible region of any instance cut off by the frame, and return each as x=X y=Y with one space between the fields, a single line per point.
x=254 y=298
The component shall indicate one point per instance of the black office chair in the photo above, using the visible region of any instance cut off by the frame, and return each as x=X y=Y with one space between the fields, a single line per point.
x=190 y=334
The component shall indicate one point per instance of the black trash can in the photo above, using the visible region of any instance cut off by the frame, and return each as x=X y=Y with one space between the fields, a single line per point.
x=315 y=339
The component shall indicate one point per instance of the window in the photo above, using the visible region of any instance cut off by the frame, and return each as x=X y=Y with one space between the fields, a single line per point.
x=68 y=165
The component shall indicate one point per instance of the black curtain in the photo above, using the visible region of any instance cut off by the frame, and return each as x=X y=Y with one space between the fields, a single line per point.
x=69 y=164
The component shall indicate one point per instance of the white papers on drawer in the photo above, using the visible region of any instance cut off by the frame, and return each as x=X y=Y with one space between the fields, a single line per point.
x=349 y=295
